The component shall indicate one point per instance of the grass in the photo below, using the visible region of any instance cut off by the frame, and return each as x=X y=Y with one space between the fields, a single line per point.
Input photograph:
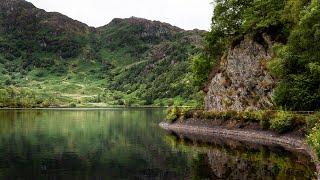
x=313 y=127
x=277 y=121
x=282 y=122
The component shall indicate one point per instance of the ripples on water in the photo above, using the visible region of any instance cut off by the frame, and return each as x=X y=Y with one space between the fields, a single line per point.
x=128 y=144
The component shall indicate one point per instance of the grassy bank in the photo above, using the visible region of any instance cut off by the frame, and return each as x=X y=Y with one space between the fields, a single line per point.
x=277 y=121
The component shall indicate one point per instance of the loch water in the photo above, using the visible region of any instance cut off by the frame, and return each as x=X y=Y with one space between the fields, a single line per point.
x=127 y=143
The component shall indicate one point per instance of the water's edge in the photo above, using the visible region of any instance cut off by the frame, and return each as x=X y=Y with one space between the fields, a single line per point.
x=259 y=137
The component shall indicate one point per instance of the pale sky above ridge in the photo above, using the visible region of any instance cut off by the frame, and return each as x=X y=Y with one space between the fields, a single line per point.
x=186 y=14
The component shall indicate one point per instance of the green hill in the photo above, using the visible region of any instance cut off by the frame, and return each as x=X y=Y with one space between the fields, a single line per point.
x=48 y=59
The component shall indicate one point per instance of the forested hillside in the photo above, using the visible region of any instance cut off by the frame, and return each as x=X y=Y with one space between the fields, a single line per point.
x=292 y=25
x=48 y=59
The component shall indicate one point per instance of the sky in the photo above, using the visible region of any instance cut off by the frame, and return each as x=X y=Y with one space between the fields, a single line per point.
x=186 y=14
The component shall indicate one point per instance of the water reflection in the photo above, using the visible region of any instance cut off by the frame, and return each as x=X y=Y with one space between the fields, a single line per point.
x=128 y=144
x=214 y=158
x=94 y=144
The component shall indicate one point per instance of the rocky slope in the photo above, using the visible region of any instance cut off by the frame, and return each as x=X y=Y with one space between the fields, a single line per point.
x=27 y=28
x=242 y=81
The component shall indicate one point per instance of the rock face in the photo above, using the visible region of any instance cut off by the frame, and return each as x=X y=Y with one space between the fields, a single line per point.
x=140 y=35
x=24 y=16
x=243 y=83
x=148 y=30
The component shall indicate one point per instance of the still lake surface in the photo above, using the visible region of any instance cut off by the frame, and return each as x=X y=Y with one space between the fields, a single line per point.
x=128 y=144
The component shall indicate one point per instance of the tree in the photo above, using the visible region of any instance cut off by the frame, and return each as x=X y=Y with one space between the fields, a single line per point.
x=297 y=64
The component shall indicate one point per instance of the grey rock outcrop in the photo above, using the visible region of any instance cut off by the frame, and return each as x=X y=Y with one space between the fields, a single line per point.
x=243 y=83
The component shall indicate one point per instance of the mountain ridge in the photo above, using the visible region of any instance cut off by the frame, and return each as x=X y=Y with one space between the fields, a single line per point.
x=97 y=27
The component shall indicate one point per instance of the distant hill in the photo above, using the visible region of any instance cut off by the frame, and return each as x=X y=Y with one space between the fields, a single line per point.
x=48 y=59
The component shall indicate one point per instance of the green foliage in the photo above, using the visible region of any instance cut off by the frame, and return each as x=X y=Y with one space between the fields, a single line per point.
x=156 y=82
x=200 y=68
x=282 y=122
x=26 y=98
x=293 y=24
x=232 y=20
x=312 y=121
x=264 y=118
x=130 y=62
x=278 y=121
x=172 y=114
x=314 y=138
x=72 y=105
x=298 y=64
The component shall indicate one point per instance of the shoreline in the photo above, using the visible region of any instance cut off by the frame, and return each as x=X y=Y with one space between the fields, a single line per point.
x=253 y=136
x=86 y=108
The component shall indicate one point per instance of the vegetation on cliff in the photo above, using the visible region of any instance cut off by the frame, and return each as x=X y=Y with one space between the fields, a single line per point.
x=294 y=28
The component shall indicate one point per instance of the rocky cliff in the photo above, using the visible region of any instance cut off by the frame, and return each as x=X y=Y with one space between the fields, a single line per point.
x=242 y=81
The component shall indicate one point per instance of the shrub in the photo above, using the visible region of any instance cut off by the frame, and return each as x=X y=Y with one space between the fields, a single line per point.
x=314 y=139
x=250 y=116
x=172 y=114
x=211 y=115
x=264 y=118
x=282 y=122
x=185 y=113
x=227 y=115
x=199 y=114
x=312 y=121
x=72 y=105
x=201 y=68
x=40 y=74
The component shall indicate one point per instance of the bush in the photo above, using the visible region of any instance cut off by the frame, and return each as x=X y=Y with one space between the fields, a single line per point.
x=198 y=114
x=282 y=122
x=312 y=121
x=72 y=105
x=201 y=68
x=185 y=113
x=172 y=114
x=264 y=118
x=250 y=116
x=314 y=139
x=227 y=115
x=211 y=115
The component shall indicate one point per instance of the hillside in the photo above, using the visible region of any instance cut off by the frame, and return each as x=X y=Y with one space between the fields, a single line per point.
x=48 y=59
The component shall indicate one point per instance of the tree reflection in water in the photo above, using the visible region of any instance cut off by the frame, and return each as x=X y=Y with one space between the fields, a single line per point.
x=214 y=158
